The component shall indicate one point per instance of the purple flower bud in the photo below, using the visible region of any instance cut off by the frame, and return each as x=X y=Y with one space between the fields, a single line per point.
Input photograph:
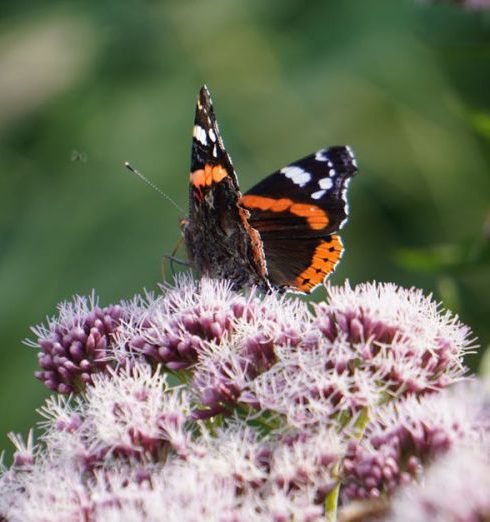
x=86 y=377
x=164 y=353
x=75 y=343
x=216 y=330
x=64 y=388
x=45 y=362
x=23 y=459
x=91 y=342
x=76 y=350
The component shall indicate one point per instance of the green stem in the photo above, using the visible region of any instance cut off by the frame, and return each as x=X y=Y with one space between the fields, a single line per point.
x=267 y=425
x=361 y=422
x=332 y=499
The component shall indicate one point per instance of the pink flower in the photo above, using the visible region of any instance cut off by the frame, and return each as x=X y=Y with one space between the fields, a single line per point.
x=404 y=436
x=455 y=489
x=76 y=344
x=205 y=404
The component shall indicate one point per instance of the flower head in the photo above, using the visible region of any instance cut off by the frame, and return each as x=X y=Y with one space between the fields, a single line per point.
x=397 y=333
x=75 y=345
x=176 y=328
x=402 y=437
x=281 y=408
x=455 y=489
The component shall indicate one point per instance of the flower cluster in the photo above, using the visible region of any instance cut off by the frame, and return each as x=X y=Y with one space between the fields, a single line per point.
x=129 y=456
x=396 y=333
x=173 y=329
x=364 y=345
x=405 y=436
x=75 y=345
x=205 y=404
x=456 y=489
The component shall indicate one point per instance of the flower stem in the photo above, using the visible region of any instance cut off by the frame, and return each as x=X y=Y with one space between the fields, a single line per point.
x=332 y=499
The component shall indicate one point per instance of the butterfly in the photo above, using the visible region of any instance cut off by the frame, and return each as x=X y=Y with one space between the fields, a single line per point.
x=283 y=233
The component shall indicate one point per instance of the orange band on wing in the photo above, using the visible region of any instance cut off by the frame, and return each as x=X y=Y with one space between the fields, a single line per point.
x=323 y=262
x=315 y=216
x=207 y=176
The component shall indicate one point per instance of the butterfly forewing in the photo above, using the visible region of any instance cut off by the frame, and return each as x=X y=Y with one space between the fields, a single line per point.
x=219 y=240
x=208 y=149
x=306 y=198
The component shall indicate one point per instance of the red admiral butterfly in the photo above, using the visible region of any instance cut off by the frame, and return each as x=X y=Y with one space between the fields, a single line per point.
x=282 y=232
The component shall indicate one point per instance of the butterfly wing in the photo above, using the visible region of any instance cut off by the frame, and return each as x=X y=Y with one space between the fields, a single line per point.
x=297 y=211
x=219 y=240
x=209 y=160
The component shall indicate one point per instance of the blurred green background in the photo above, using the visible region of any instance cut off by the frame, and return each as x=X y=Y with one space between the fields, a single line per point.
x=86 y=85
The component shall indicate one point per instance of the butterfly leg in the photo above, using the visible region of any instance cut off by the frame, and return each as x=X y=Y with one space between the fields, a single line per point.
x=171 y=259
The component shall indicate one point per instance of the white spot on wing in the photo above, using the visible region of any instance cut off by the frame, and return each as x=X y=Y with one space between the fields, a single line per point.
x=318 y=194
x=212 y=135
x=325 y=183
x=200 y=134
x=297 y=175
x=344 y=194
x=344 y=198
x=331 y=172
x=320 y=155
x=352 y=157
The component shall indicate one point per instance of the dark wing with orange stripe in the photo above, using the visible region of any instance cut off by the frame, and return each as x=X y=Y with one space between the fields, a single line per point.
x=302 y=264
x=306 y=198
x=297 y=211
x=219 y=241
x=208 y=149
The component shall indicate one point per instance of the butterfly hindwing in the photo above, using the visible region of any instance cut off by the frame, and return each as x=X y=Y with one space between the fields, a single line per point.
x=302 y=264
x=297 y=211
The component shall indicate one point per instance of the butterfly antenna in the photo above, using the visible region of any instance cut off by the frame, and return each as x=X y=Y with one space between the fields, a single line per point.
x=153 y=186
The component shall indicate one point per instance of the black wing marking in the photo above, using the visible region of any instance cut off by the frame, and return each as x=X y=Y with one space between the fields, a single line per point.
x=207 y=143
x=319 y=180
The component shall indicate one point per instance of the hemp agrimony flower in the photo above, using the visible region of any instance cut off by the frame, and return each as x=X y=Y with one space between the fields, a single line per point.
x=75 y=345
x=202 y=403
x=455 y=489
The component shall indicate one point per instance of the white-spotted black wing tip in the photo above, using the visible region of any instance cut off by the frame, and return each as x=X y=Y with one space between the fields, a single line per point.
x=204 y=99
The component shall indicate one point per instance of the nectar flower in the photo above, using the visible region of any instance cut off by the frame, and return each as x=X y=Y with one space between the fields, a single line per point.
x=402 y=437
x=75 y=345
x=455 y=489
x=281 y=410
x=396 y=333
x=176 y=328
x=134 y=411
